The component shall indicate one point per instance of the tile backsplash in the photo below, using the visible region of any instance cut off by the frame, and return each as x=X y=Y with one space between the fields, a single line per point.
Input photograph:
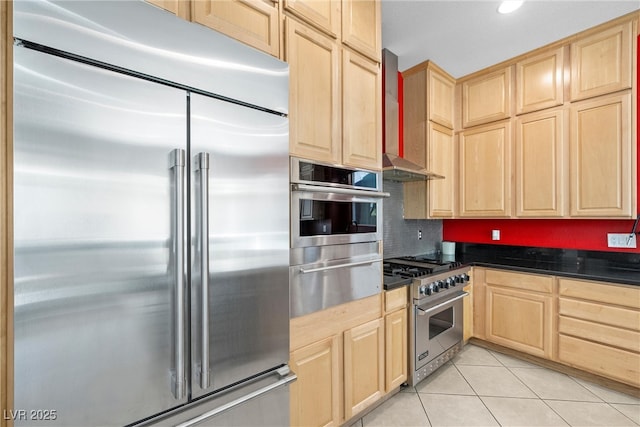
x=401 y=235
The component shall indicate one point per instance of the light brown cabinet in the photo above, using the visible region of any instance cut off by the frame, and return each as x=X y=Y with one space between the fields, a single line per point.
x=254 y=22
x=315 y=395
x=603 y=62
x=599 y=328
x=361 y=27
x=485 y=171
x=539 y=81
x=395 y=323
x=519 y=310
x=541 y=164
x=486 y=98
x=181 y=8
x=429 y=140
x=314 y=93
x=325 y=15
x=361 y=111
x=602 y=157
x=363 y=366
x=338 y=355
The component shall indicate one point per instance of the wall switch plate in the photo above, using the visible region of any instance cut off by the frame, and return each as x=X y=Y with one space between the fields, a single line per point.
x=619 y=240
x=495 y=234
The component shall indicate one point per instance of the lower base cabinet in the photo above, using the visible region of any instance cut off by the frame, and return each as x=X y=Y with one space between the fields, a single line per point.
x=363 y=366
x=589 y=325
x=315 y=396
x=340 y=358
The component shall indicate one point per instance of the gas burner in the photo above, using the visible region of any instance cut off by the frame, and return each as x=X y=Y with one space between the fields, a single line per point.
x=406 y=271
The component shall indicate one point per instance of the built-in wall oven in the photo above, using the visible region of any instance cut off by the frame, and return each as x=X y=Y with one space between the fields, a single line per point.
x=436 y=323
x=336 y=235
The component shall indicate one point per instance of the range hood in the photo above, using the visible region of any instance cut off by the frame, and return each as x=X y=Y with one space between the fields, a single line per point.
x=394 y=167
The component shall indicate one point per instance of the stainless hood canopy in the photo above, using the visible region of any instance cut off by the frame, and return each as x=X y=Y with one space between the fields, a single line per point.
x=394 y=167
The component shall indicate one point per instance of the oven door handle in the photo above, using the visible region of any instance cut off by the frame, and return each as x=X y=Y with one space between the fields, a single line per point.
x=338 y=190
x=422 y=312
x=333 y=267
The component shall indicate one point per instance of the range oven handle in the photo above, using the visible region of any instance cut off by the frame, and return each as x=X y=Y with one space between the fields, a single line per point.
x=422 y=312
x=333 y=267
x=338 y=190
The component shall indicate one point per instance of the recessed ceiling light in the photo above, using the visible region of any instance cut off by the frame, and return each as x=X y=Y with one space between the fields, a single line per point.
x=509 y=6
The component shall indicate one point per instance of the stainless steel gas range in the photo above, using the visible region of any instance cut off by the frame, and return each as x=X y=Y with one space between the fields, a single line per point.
x=436 y=313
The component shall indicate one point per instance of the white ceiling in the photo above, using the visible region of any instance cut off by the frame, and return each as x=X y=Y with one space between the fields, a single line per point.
x=466 y=36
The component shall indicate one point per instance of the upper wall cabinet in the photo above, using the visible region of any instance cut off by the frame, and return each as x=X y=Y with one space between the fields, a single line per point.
x=314 y=93
x=539 y=81
x=441 y=89
x=361 y=27
x=182 y=8
x=602 y=157
x=323 y=14
x=486 y=98
x=485 y=171
x=541 y=163
x=254 y=22
x=362 y=111
x=602 y=63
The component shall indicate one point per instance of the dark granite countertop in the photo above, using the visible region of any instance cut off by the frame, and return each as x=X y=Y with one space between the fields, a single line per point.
x=614 y=267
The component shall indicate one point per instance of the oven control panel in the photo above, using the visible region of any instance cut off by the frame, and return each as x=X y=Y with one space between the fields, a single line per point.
x=440 y=284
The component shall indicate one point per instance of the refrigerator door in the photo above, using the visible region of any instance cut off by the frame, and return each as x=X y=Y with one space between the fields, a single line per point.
x=241 y=156
x=93 y=264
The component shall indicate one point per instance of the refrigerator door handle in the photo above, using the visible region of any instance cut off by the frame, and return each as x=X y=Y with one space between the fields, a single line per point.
x=177 y=164
x=286 y=377
x=202 y=168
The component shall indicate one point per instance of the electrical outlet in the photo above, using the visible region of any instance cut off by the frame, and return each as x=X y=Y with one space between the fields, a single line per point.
x=619 y=240
x=495 y=234
x=419 y=234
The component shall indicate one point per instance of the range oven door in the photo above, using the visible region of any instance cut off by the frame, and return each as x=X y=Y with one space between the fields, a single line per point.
x=438 y=327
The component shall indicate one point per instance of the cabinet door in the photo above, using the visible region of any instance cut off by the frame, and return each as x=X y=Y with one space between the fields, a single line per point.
x=363 y=366
x=541 y=154
x=180 y=8
x=415 y=116
x=361 y=27
x=519 y=320
x=314 y=93
x=315 y=395
x=440 y=96
x=323 y=14
x=441 y=160
x=362 y=112
x=602 y=63
x=539 y=82
x=602 y=158
x=396 y=348
x=485 y=171
x=486 y=98
x=254 y=22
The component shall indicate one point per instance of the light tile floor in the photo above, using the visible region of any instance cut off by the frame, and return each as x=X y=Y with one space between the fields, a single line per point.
x=480 y=387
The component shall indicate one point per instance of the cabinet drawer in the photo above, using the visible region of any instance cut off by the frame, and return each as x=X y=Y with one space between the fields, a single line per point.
x=395 y=299
x=621 y=365
x=609 y=315
x=623 y=338
x=595 y=291
x=529 y=282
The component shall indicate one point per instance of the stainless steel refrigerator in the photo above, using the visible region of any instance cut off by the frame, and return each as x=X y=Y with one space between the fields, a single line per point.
x=151 y=221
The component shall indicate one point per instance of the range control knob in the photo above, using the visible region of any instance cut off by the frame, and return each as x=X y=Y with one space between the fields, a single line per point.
x=430 y=289
x=465 y=277
x=437 y=285
x=423 y=290
x=452 y=281
x=447 y=282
